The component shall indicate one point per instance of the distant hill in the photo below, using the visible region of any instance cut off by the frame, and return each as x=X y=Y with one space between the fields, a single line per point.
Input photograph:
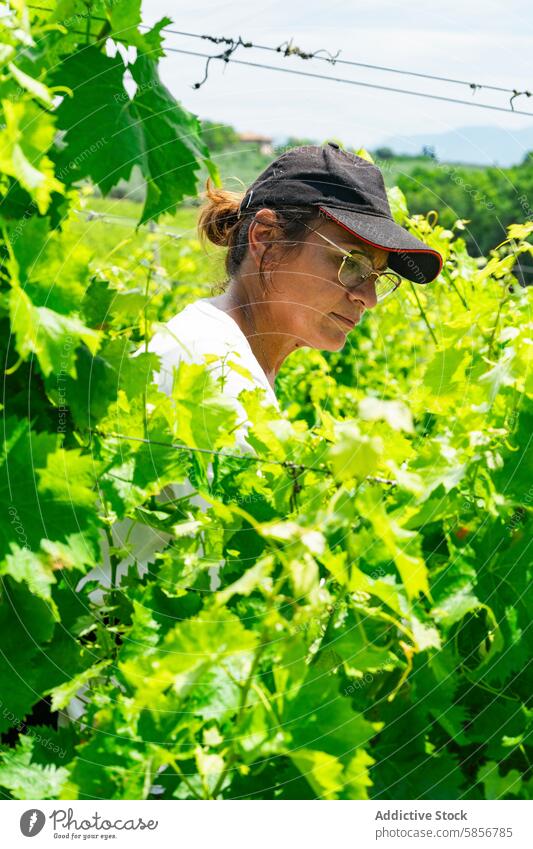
x=470 y=145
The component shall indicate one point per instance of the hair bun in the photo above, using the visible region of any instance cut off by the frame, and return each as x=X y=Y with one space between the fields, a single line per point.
x=219 y=215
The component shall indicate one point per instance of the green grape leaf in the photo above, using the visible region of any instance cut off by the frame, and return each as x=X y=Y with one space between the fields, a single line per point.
x=356 y=778
x=27 y=780
x=513 y=479
x=46 y=266
x=213 y=638
x=403 y=545
x=204 y=413
x=26 y=621
x=24 y=565
x=255 y=576
x=354 y=455
x=37 y=89
x=64 y=693
x=102 y=138
x=322 y=771
x=498 y=786
x=358 y=654
x=318 y=717
x=172 y=145
x=444 y=377
x=107 y=133
x=69 y=478
x=53 y=496
x=125 y=18
x=52 y=337
x=26 y=137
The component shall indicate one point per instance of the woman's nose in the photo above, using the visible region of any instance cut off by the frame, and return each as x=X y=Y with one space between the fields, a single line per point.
x=366 y=293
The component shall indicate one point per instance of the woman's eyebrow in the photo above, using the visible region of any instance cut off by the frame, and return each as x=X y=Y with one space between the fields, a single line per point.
x=351 y=250
x=363 y=253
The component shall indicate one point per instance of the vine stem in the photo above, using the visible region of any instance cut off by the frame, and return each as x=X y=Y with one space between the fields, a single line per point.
x=385 y=616
x=459 y=294
x=88 y=23
x=232 y=757
x=488 y=688
x=146 y=344
x=497 y=322
x=147 y=778
x=12 y=369
x=522 y=749
x=242 y=705
x=408 y=652
x=423 y=314
x=184 y=778
x=113 y=560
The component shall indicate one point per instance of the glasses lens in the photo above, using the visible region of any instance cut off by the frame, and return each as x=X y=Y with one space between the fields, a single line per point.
x=355 y=271
x=386 y=284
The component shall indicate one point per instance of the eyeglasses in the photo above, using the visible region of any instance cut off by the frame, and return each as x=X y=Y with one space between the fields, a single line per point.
x=356 y=270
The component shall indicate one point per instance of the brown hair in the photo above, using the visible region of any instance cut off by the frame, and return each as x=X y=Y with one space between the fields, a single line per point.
x=219 y=222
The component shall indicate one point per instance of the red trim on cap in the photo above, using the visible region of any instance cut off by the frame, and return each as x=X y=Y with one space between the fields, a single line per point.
x=393 y=250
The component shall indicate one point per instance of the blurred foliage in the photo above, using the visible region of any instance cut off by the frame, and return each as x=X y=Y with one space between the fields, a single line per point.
x=488 y=199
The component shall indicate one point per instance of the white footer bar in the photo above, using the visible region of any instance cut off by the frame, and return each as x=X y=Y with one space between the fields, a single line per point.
x=267 y=824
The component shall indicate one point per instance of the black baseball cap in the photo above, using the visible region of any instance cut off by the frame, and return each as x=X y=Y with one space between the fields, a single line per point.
x=349 y=190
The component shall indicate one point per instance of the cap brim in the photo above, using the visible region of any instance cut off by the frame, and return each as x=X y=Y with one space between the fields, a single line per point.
x=410 y=257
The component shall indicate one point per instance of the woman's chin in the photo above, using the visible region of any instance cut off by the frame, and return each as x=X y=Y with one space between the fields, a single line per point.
x=332 y=342
x=330 y=338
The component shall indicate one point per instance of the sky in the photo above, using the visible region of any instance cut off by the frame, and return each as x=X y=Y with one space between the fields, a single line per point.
x=481 y=41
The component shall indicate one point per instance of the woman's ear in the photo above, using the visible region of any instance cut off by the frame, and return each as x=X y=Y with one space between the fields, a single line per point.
x=262 y=234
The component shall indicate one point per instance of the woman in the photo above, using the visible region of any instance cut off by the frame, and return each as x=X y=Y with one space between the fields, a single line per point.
x=311 y=246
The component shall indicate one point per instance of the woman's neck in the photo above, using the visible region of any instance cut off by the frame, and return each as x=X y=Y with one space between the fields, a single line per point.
x=254 y=319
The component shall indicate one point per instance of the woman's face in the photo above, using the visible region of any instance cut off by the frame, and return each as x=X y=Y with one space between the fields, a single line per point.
x=305 y=298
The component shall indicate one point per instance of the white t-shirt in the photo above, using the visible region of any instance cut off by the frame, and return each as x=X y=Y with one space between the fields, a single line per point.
x=200 y=329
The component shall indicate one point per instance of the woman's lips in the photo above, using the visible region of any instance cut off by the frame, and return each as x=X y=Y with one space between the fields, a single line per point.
x=350 y=323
